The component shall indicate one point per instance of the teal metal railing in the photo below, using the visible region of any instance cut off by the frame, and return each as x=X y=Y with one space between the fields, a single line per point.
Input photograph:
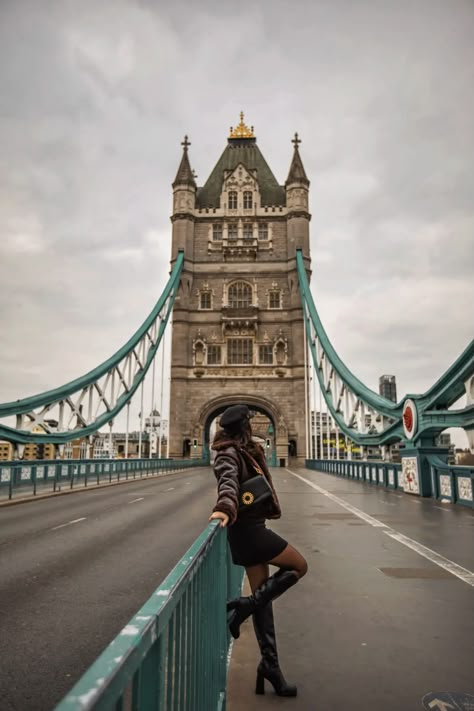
x=448 y=482
x=452 y=483
x=40 y=477
x=387 y=474
x=173 y=654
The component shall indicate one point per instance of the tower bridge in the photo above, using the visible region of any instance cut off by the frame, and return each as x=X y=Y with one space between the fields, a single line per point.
x=243 y=327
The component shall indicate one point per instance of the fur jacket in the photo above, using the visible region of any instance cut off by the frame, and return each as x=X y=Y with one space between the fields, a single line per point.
x=232 y=467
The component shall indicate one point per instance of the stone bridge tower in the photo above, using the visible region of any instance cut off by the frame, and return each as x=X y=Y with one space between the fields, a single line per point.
x=238 y=332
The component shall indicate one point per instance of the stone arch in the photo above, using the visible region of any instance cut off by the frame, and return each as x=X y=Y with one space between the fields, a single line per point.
x=213 y=408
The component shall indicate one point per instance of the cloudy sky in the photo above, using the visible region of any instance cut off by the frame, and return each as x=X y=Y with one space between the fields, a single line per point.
x=95 y=99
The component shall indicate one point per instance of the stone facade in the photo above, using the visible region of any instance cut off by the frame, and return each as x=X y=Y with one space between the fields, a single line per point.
x=237 y=328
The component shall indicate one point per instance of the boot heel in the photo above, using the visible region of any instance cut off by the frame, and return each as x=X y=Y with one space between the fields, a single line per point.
x=260 y=685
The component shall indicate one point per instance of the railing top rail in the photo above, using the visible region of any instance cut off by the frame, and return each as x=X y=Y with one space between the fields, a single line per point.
x=107 y=676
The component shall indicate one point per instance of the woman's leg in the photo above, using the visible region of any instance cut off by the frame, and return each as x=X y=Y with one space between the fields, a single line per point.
x=264 y=627
x=291 y=559
x=257 y=574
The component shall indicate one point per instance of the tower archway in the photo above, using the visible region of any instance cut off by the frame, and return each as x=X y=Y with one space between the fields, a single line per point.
x=268 y=425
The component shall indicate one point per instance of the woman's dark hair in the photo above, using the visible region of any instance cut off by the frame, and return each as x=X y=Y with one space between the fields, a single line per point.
x=241 y=433
x=241 y=436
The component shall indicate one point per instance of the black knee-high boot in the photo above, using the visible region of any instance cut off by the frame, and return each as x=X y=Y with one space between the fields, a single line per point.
x=269 y=667
x=242 y=607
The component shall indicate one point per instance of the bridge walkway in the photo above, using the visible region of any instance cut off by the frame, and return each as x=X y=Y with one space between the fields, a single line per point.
x=385 y=613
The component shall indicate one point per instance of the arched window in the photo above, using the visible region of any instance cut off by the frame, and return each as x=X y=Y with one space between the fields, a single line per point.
x=247 y=200
x=240 y=295
x=232 y=204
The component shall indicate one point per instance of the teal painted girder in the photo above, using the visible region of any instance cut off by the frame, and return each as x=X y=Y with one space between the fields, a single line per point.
x=87 y=383
x=433 y=415
x=450 y=387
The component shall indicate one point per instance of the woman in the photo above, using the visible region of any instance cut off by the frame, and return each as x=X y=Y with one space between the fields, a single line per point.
x=238 y=458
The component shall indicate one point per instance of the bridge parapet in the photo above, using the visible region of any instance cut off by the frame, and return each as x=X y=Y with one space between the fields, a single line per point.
x=454 y=484
x=174 y=652
x=20 y=478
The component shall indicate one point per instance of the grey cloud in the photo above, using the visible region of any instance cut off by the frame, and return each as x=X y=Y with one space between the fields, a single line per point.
x=95 y=99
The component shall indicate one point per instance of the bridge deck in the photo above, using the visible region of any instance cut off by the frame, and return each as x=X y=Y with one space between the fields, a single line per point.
x=375 y=625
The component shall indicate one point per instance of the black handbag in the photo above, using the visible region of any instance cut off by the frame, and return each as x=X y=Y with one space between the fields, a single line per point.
x=254 y=491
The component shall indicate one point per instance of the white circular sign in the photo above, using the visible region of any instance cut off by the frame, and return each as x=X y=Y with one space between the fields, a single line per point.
x=410 y=419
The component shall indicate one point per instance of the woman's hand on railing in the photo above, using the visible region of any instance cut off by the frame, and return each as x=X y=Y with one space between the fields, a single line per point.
x=220 y=515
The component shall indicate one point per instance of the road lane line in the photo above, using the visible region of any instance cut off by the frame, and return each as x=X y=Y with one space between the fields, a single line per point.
x=135 y=500
x=69 y=523
x=464 y=574
x=170 y=489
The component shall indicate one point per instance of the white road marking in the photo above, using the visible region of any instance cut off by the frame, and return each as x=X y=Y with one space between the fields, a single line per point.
x=170 y=489
x=135 y=500
x=69 y=523
x=467 y=576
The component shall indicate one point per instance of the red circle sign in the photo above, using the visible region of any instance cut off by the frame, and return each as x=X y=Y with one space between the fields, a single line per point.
x=409 y=418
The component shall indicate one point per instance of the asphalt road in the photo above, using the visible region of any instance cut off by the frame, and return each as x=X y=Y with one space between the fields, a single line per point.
x=74 y=569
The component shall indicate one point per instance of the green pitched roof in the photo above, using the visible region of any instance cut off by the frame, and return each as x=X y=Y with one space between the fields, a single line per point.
x=247 y=152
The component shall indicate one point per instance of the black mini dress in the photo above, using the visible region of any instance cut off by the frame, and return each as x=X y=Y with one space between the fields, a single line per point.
x=251 y=542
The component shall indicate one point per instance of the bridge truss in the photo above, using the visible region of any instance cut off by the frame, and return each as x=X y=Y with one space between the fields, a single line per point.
x=366 y=417
x=81 y=407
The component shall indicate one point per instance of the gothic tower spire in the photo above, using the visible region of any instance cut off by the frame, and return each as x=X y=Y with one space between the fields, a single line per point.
x=297 y=172
x=185 y=175
x=297 y=201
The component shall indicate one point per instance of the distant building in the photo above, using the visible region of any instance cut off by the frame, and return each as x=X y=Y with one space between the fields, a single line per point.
x=31 y=450
x=444 y=440
x=6 y=451
x=388 y=387
x=336 y=445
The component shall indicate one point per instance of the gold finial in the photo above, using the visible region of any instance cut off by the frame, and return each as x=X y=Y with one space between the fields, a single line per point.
x=241 y=131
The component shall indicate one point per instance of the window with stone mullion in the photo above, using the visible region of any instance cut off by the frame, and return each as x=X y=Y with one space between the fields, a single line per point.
x=240 y=295
x=265 y=355
x=232 y=231
x=239 y=351
x=213 y=355
x=247 y=200
x=263 y=231
x=217 y=232
x=274 y=300
x=232 y=200
x=206 y=300
x=248 y=230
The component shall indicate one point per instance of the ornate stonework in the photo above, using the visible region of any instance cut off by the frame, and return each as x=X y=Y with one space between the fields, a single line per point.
x=238 y=322
x=464 y=484
x=410 y=476
x=445 y=485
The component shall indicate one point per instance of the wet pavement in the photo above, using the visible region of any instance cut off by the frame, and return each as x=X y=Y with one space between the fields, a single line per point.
x=385 y=614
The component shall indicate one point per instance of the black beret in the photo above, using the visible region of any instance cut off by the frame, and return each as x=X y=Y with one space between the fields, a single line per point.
x=235 y=415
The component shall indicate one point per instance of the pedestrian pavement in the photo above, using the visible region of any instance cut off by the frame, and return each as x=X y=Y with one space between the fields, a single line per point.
x=384 y=616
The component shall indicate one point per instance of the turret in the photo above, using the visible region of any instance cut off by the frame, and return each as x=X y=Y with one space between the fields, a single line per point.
x=184 y=185
x=184 y=202
x=297 y=191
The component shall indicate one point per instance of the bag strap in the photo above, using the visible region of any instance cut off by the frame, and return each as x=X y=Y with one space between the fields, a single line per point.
x=248 y=456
